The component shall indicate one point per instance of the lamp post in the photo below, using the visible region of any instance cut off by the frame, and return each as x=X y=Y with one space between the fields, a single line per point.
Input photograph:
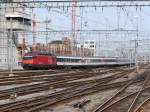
x=130 y=55
x=11 y=49
x=136 y=46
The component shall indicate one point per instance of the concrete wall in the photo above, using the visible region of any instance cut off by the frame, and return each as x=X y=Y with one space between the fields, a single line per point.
x=9 y=54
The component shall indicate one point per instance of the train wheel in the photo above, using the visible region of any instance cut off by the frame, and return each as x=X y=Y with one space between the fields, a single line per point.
x=26 y=68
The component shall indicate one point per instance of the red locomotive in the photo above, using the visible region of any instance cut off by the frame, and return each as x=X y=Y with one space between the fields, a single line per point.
x=38 y=60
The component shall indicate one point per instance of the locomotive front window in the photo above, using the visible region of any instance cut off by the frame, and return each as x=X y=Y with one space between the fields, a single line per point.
x=28 y=58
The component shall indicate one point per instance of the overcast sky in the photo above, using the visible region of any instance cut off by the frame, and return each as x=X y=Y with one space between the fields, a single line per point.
x=127 y=18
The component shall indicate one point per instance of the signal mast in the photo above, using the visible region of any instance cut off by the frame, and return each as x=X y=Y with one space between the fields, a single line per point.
x=74 y=3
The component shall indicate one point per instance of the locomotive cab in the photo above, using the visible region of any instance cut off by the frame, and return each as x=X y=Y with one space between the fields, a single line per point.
x=38 y=61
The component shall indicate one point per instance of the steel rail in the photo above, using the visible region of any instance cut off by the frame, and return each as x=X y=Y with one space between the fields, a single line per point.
x=109 y=103
x=138 y=95
x=20 y=79
x=86 y=91
x=58 y=84
x=141 y=105
x=82 y=89
x=99 y=108
x=121 y=99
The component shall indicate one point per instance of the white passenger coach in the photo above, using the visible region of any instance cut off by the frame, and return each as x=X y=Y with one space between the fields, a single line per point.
x=69 y=61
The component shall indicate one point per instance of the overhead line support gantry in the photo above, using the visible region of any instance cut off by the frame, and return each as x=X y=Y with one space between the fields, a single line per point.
x=79 y=3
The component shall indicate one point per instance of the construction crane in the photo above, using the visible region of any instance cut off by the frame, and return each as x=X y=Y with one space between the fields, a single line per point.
x=34 y=33
x=34 y=23
x=74 y=15
x=45 y=22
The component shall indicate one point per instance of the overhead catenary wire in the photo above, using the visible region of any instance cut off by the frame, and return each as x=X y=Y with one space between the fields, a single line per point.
x=63 y=1
x=131 y=20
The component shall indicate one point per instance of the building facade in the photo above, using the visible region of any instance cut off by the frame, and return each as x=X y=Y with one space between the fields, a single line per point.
x=60 y=47
x=12 y=21
x=91 y=46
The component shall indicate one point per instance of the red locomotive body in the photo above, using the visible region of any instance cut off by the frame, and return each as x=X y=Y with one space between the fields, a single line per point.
x=38 y=61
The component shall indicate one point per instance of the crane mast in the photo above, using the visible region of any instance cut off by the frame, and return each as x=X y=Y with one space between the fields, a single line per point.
x=34 y=33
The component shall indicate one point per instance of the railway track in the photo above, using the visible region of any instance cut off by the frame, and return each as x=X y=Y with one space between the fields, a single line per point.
x=79 y=89
x=35 y=72
x=40 y=76
x=37 y=103
x=124 y=101
x=63 y=83
x=67 y=85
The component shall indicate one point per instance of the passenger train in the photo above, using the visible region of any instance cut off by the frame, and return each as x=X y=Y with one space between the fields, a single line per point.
x=35 y=60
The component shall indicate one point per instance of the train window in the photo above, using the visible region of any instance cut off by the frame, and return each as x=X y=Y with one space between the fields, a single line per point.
x=92 y=60
x=72 y=60
x=91 y=42
x=77 y=60
x=65 y=60
x=68 y=60
x=111 y=60
x=59 y=59
x=91 y=46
